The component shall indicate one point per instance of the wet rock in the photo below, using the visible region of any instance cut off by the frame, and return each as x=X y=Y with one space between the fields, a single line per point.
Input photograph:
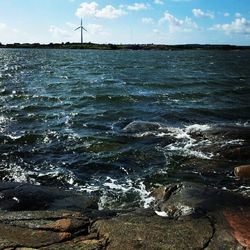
x=227 y=132
x=141 y=126
x=21 y=197
x=238 y=153
x=189 y=198
x=134 y=231
x=242 y=172
x=228 y=213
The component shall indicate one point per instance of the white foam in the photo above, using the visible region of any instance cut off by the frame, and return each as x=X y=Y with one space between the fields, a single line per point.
x=17 y=174
x=234 y=142
x=197 y=128
x=145 y=195
x=66 y=176
x=151 y=133
x=14 y=137
x=113 y=190
x=161 y=213
x=180 y=210
x=185 y=145
x=113 y=184
x=16 y=199
x=3 y=119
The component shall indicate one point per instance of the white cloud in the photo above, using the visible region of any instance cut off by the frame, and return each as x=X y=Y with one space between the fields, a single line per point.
x=6 y=29
x=158 y=2
x=237 y=14
x=226 y=14
x=110 y=12
x=72 y=25
x=175 y=24
x=239 y=25
x=58 y=32
x=3 y=26
x=156 y=31
x=200 y=13
x=87 y=10
x=138 y=6
x=91 y=10
x=96 y=29
x=147 y=20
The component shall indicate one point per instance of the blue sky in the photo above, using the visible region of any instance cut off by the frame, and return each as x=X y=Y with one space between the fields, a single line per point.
x=126 y=21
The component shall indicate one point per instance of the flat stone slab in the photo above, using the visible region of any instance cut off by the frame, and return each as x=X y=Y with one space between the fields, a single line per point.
x=134 y=231
x=46 y=230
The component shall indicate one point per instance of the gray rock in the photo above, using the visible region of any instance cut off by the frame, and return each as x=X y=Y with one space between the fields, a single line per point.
x=188 y=198
x=133 y=231
x=21 y=197
x=141 y=126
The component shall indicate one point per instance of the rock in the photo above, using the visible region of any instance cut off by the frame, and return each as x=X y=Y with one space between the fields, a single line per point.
x=141 y=126
x=228 y=132
x=47 y=230
x=21 y=197
x=239 y=220
x=135 y=231
x=242 y=172
x=223 y=208
x=198 y=217
x=223 y=237
x=238 y=153
x=189 y=198
x=12 y=236
x=163 y=193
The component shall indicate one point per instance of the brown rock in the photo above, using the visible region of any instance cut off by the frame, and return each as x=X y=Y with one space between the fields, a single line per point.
x=242 y=172
x=239 y=220
x=79 y=243
x=11 y=236
x=66 y=225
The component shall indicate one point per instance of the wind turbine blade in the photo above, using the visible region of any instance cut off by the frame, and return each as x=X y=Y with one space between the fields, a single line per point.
x=85 y=29
x=78 y=28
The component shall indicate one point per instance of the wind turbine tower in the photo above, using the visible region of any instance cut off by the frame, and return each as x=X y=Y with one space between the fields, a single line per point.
x=82 y=28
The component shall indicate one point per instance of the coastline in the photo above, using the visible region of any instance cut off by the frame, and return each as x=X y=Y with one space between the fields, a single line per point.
x=109 y=46
x=184 y=216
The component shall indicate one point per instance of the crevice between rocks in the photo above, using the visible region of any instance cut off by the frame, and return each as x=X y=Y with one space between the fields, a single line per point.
x=212 y=224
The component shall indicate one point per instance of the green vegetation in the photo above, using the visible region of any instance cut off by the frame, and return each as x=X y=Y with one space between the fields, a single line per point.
x=124 y=46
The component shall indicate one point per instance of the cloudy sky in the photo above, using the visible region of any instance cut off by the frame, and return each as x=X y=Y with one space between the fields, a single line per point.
x=126 y=21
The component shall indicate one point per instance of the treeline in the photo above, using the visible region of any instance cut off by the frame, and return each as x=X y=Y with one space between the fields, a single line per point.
x=124 y=46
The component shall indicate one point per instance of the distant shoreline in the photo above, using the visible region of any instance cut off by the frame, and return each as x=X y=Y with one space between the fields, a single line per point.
x=124 y=46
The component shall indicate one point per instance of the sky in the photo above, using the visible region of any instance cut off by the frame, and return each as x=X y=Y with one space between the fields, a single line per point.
x=126 y=21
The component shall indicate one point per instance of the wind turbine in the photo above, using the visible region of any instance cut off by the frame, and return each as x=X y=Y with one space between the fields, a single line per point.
x=82 y=28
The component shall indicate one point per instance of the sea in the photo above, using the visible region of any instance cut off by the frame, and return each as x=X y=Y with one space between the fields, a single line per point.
x=119 y=123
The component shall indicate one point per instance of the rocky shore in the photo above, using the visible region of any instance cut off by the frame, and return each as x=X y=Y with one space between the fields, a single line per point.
x=184 y=216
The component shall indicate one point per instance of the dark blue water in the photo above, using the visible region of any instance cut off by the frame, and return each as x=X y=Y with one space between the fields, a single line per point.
x=119 y=123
